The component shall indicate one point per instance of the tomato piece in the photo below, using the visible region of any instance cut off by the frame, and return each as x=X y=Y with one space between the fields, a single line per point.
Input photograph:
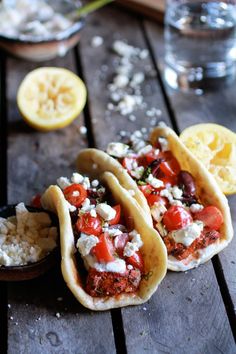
x=173 y=163
x=176 y=217
x=146 y=189
x=120 y=242
x=103 y=250
x=151 y=156
x=167 y=169
x=36 y=201
x=89 y=225
x=136 y=261
x=130 y=163
x=116 y=219
x=75 y=194
x=167 y=180
x=156 y=198
x=211 y=216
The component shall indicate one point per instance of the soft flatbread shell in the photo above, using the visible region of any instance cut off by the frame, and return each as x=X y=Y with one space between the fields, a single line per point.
x=153 y=249
x=93 y=162
x=208 y=192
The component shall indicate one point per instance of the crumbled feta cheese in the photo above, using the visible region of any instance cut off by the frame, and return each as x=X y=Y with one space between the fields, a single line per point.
x=97 y=41
x=63 y=182
x=93 y=213
x=86 y=183
x=176 y=192
x=130 y=249
x=136 y=238
x=123 y=49
x=195 y=208
x=70 y=206
x=85 y=205
x=137 y=172
x=164 y=144
x=83 y=130
x=188 y=234
x=85 y=243
x=167 y=194
x=129 y=267
x=117 y=149
x=154 y=182
x=28 y=238
x=116 y=266
x=137 y=79
x=95 y=183
x=77 y=178
x=121 y=81
x=114 y=232
x=157 y=211
x=105 y=211
x=145 y=150
x=176 y=202
x=75 y=194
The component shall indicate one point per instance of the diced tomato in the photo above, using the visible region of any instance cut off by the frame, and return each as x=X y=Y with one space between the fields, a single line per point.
x=176 y=217
x=75 y=194
x=173 y=163
x=146 y=189
x=167 y=170
x=151 y=156
x=156 y=198
x=136 y=261
x=120 y=242
x=103 y=250
x=167 y=180
x=130 y=163
x=36 y=201
x=89 y=225
x=211 y=216
x=116 y=219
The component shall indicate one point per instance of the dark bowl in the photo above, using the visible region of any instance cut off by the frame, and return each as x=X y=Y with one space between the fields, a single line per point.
x=31 y=270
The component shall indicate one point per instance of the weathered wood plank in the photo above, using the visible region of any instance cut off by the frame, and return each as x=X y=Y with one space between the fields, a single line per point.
x=187 y=311
x=35 y=161
x=217 y=106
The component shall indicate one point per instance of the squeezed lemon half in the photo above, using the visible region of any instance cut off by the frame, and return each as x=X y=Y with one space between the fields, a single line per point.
x=51 y=98
x=215 y=146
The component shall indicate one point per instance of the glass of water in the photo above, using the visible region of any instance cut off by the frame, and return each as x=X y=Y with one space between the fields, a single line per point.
x=200 y=43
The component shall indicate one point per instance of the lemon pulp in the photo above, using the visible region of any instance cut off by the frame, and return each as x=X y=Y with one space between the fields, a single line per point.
x=50 y=98
x=215 y=146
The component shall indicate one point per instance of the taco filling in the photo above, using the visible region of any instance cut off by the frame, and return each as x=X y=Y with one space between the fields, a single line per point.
x=185 y=225
x=105 y=240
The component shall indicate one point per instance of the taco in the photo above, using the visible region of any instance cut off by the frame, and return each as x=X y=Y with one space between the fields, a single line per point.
x=111 y=257
x=188 y=208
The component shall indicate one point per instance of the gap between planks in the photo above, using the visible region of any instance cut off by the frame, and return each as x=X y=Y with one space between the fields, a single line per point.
x=3 y=193
x=228 y=303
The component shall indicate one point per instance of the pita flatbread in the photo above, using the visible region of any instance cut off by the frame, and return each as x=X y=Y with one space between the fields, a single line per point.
x=153 y=249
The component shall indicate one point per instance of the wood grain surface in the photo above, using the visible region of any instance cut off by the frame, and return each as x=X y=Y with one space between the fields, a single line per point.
x=36 y=160
x=216 y=106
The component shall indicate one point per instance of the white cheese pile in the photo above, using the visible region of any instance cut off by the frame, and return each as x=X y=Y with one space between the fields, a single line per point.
x=29 y=19
x=26 y=237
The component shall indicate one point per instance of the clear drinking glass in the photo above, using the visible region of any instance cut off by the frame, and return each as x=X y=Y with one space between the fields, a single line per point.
x=200 y=43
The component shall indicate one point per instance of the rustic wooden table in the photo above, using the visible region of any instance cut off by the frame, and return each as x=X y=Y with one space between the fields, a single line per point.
x=192 y=312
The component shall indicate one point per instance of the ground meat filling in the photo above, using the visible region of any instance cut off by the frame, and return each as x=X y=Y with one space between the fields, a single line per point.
x=109 y=284
x=180 y=251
